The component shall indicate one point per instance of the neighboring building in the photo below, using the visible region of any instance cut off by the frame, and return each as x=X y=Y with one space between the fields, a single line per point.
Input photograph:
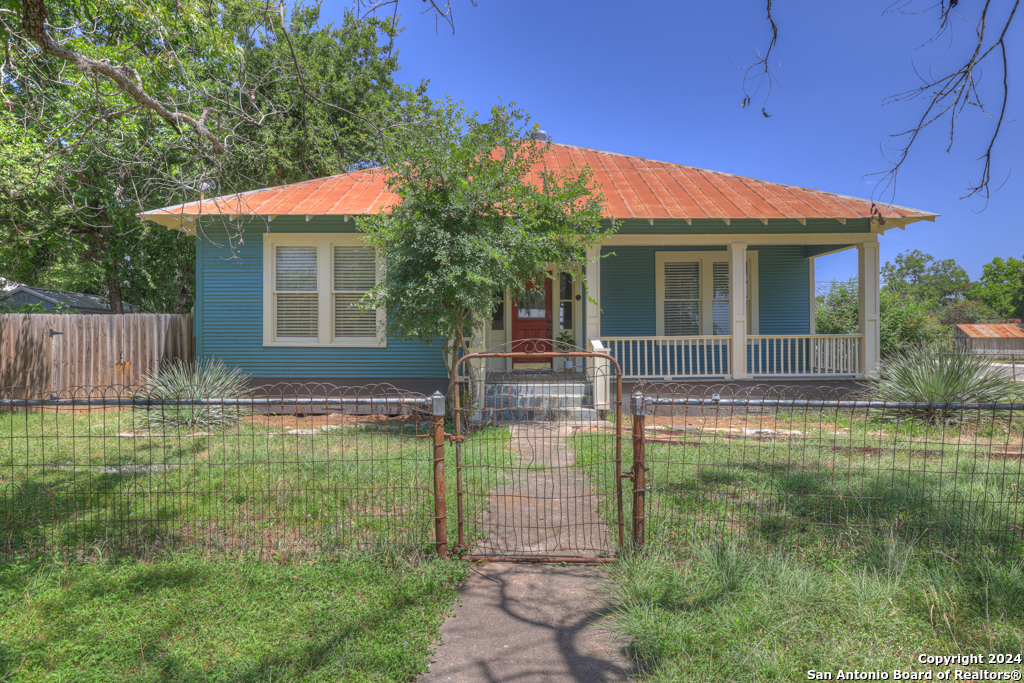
x=995 y=340
x=76 y=302
x=665 y=295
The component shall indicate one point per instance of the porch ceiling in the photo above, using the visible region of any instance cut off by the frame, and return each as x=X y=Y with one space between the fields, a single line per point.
x=634 y=187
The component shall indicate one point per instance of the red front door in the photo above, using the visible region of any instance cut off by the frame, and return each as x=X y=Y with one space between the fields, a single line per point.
x=531 y=319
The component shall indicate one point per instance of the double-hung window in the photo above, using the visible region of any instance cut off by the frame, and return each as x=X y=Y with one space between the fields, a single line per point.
x=693 y=293
x=312 y=287
x=295 y=295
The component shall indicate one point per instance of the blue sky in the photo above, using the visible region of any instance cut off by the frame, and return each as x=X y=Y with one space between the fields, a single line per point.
x=658 y=79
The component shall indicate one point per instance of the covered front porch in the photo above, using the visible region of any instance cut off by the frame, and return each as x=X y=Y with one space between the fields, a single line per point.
x=668 y=308
x=710 y=325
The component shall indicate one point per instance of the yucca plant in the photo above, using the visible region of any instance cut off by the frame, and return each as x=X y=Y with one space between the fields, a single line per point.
x=936 y=374
x=207 y=378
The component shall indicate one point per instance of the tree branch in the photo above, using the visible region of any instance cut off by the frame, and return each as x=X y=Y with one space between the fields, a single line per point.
x=760 y=70
x=950 y=95
x=34 y=20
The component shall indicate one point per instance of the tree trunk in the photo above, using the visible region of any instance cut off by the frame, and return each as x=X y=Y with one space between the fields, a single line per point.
x=453 y=373
x=114 y=293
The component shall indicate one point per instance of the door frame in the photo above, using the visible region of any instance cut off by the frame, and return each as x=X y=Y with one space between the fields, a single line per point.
x=578 y=328
x=532 y=357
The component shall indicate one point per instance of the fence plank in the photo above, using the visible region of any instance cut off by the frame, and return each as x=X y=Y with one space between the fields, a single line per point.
x=94 y=350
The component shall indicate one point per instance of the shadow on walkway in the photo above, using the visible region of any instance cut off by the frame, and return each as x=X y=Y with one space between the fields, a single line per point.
x=529 y=623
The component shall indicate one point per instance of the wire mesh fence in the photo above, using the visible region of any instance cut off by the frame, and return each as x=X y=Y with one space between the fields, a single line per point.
x=518 y=457
x=768 y=465
x=282 y=471
x=539 y=465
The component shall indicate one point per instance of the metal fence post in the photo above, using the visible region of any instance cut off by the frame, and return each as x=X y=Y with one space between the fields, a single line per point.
x=440 y=508
x=638 y=412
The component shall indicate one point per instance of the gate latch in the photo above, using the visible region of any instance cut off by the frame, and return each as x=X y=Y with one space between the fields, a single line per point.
x=54 y=332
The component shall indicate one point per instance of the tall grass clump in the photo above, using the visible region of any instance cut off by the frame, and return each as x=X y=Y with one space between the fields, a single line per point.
x=935 y=374
x=207 y=378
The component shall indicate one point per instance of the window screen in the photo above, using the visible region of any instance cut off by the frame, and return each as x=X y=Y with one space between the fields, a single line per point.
x=565 y=321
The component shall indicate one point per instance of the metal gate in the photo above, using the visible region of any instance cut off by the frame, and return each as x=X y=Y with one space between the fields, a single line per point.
x=538 y=453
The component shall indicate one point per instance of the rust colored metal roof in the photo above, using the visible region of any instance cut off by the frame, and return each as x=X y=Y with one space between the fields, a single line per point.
x=633 y=187
x=993 y=330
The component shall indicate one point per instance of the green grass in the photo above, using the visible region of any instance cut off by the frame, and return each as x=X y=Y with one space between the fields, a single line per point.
x=192 y=618
x=953 y=488
x=68 y=481
x=246 y=555
x=858 y=543
x=726 y=613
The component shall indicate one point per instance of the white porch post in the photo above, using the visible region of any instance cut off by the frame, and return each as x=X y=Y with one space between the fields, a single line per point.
x=811 y=289
x=598 y=366
x=868 y=292
x=738 y=309
x=593 y=310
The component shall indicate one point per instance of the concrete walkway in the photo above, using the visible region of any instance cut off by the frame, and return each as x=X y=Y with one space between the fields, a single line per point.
x=530 y=624
x=527 y=623
x=545 y=506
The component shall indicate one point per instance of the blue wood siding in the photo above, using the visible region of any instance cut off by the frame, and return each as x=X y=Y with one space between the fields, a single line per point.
x=229 y=316
x=229 y=305
x=784 y=280
x=628 y=289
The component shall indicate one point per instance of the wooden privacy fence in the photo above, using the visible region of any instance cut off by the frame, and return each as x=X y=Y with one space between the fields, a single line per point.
x=54 y=352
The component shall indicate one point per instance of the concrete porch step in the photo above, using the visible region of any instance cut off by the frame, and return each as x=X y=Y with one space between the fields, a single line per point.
x=532 y=399
x=501 y=415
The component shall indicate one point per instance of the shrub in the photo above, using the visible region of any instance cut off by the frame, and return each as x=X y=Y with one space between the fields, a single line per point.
x=206 y=378
x=937 y=374
x=56 y=309
x=903 y=321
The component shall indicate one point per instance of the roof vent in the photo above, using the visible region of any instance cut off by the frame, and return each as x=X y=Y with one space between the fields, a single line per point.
x=540 y=135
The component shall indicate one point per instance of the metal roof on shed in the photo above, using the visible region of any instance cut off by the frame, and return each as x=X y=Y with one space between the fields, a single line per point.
x=74 y=300
x=633 y=187
x=993 y=330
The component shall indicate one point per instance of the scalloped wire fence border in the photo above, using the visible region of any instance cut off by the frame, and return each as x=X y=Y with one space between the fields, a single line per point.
x=798 y=466
x=309 y=470
x=298 y=471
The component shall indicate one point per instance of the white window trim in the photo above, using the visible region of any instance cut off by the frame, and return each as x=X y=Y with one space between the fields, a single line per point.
x=325 y=243
x=705 y=259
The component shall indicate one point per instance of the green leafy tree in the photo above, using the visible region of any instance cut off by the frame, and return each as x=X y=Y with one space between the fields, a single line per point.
x=966 y=312
x=476 y=216
x=281 y=101
x=903 y=322
x=1001 y=286
x=920 y=276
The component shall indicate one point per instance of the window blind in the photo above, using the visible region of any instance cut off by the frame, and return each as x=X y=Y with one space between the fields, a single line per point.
x=720 y=323
x=682 y=298
x=296 y=269
x=355 y=274
x=294 y=276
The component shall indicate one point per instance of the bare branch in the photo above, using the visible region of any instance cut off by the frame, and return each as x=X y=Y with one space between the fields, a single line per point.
x=760 y=71
x=949 y=95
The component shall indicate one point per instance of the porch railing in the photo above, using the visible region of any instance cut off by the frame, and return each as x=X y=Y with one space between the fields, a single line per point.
x=707 y=357
x=670 y=357
x=803 y=354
